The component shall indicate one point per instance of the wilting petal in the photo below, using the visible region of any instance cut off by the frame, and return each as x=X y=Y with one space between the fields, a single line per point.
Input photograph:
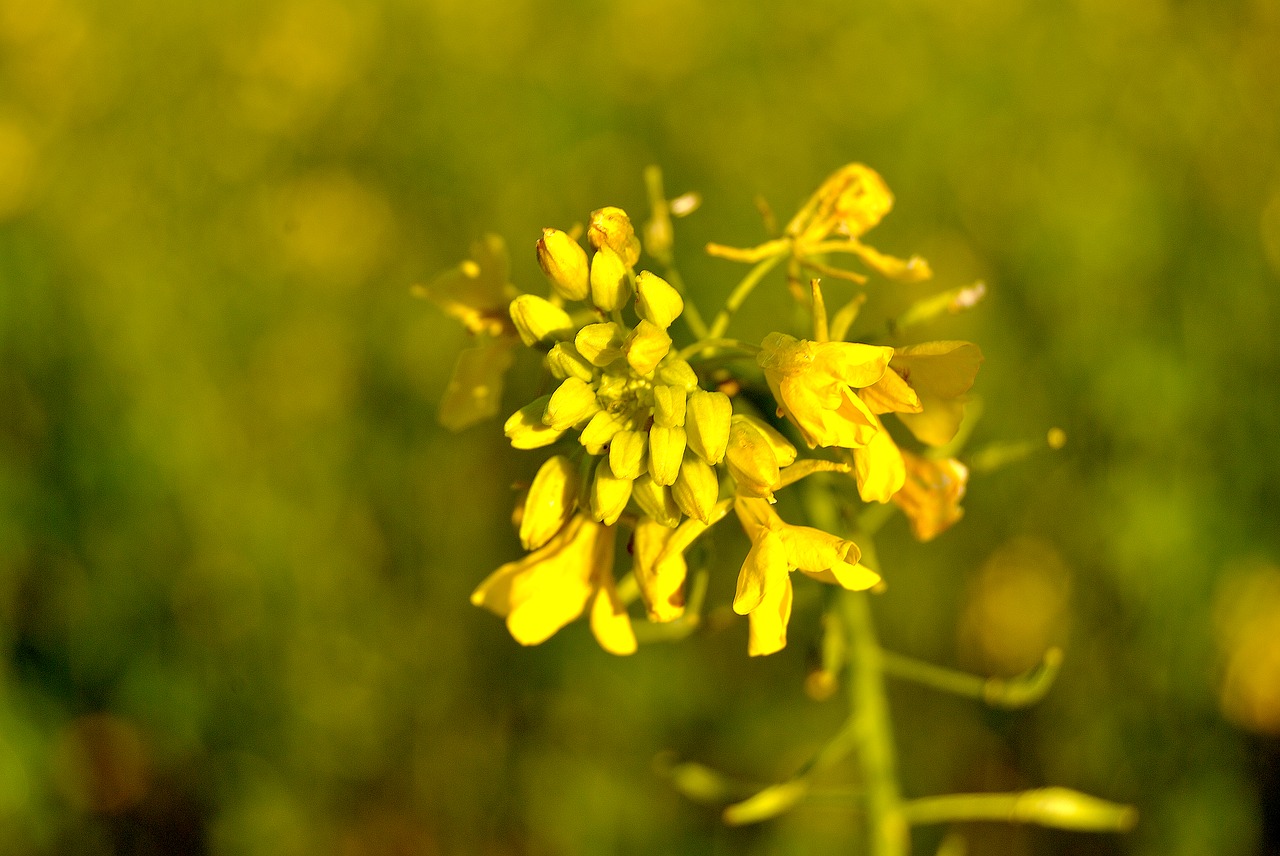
x=660 y=577
x=891 y=394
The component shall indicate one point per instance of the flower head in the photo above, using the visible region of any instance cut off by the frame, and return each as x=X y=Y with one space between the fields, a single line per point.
x=814 y=383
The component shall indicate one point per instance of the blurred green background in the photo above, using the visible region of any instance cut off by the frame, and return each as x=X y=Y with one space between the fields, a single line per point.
x=236 y=550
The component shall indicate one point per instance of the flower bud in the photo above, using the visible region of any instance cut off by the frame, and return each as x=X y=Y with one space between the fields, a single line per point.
x=563 y=360
x=609 y=286
x=666 y=451
x=656 y=501
x=564 y=262
x=669 y=406
x=751 y=460
x=646 y=346
x=609 y=494
x=600 y=343
x=677 y=372
x=697 y=488
x=611 y=227
x=537 y=318
x=707 y=423
x=783 y=451
x=550 y=501
x=525 y=427
x=572 y=402
x=656 y=300
x=600 y=431
x=626 y=453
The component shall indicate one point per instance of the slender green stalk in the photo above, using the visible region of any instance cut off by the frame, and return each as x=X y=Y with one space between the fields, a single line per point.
x=740 y=294
x=1060 y=808
x=1020 y=691
x=888 y=832
x=744 y=348
x=691 y=315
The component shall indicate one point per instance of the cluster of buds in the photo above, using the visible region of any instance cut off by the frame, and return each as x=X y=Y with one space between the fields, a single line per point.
x=642 y=440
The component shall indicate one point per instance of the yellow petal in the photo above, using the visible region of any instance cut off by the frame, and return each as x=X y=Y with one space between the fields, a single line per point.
x=610 y=289
x=564 y=262
x=525 y=428
x=763 y=570
x=550 y=501
x=645 y=347
x=611 y=227
x=656 y=300
x=891 y=394
x=767 y=630
x=656 y=501
x=666 y=451
x=879 y=468
x=537 y=318
x=707 y=424
x=854 y=577
x=474 y=393
x=659 y=575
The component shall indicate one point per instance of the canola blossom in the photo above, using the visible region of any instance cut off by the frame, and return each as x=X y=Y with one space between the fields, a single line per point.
x=652 y=425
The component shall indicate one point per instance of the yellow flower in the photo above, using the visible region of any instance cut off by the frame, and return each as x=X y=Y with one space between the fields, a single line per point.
x=555 y=584
x=814 y=384
x=925 y=388
x=477 y=293
x=931 y=494
x=777 y=548
x=660 y=567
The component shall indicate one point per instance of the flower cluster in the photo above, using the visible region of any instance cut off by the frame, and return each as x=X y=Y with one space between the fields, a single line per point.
x=656 y=440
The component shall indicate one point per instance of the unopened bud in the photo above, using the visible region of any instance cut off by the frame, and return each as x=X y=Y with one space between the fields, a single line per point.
x=611 y=227
x=626 y=453
x=600 y=431
x=646 y=346
x=609 y=286
x=563 y=360
x=564 y=262
x=679 y=373
x=609 y=494
x=666 y=451
x=537 y=318
x=600 y=343
x=656 y=501
x=669 y=406
x=572 y=402
x=525 y=427
x=550 y=501
x=781 y=446
x=751 y=461
x=697 y=488
x=708 y=424
x=657 y=300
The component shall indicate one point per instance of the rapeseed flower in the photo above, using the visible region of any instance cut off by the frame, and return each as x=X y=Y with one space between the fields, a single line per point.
x=814 y=383
x=777 y=548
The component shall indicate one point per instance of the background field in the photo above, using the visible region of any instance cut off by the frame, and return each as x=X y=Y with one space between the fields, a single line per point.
x=236 y=550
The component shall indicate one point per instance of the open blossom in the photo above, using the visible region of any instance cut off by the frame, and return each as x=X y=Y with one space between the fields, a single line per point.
x=814 y=383
x=925 y=387
x=931 y=493
x=777 y=548
x=555 y=584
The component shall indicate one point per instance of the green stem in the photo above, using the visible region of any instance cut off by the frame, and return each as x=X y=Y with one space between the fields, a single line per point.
x=1010 y=693
x=692 y=317
x=887 y=825
x=1060 y=808
x=740 y=294
x=745 y=349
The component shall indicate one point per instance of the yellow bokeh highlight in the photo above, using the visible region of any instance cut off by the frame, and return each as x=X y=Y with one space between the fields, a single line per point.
x=1016 y=607
x=1246 y=620
x=17 y=167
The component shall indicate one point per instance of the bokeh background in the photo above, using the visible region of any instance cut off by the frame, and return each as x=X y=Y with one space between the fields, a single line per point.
x=236 y=549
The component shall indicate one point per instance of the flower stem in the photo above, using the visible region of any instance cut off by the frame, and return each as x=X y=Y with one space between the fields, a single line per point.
x=740 y=294
x=887 y=828
x=745 y=349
